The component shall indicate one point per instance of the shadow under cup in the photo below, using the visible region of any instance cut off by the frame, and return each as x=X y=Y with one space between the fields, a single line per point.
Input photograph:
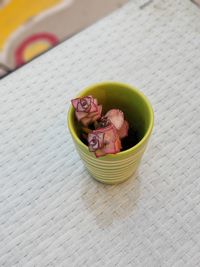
x=138 y=112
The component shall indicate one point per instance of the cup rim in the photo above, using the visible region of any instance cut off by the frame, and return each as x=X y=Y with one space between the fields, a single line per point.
x=137 y=91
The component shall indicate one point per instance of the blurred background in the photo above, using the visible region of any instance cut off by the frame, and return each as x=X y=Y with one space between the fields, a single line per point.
x=31 y=27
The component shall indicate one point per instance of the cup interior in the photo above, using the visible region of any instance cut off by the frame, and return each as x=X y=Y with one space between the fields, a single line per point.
x=136 y=107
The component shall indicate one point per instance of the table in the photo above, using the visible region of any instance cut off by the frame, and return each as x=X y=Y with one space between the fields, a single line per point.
x=52 y=213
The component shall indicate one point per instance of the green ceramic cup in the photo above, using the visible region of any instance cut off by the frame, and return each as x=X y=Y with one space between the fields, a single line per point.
x=112 y=169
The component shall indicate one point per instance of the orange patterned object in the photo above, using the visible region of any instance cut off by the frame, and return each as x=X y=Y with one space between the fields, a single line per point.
x=29 y=28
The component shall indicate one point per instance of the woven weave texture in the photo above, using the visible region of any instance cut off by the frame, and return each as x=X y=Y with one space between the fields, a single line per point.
x=52 y=213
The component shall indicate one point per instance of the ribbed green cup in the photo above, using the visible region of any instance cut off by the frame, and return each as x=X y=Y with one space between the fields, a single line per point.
x=112 y=169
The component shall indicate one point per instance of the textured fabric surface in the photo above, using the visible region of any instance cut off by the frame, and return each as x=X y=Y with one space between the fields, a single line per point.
x=52 y=213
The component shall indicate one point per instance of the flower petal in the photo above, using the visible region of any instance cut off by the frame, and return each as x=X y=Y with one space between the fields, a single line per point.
x=123 y=131
x=99 y=153
x=75 y=102
x=111 y=141
x=85 y=121
x=86 y=118
x=110 y=148
x=80 y=115
x=118 y=145
x=110 y=134
x=97 y=114
x=93 y=108
x=116 y=116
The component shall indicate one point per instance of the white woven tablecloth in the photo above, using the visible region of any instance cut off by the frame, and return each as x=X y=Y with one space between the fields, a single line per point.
x=51 y=212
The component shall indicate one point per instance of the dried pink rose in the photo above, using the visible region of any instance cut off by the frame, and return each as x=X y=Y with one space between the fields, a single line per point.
x=87 y=109
x=116 y=117
x=104 y=141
